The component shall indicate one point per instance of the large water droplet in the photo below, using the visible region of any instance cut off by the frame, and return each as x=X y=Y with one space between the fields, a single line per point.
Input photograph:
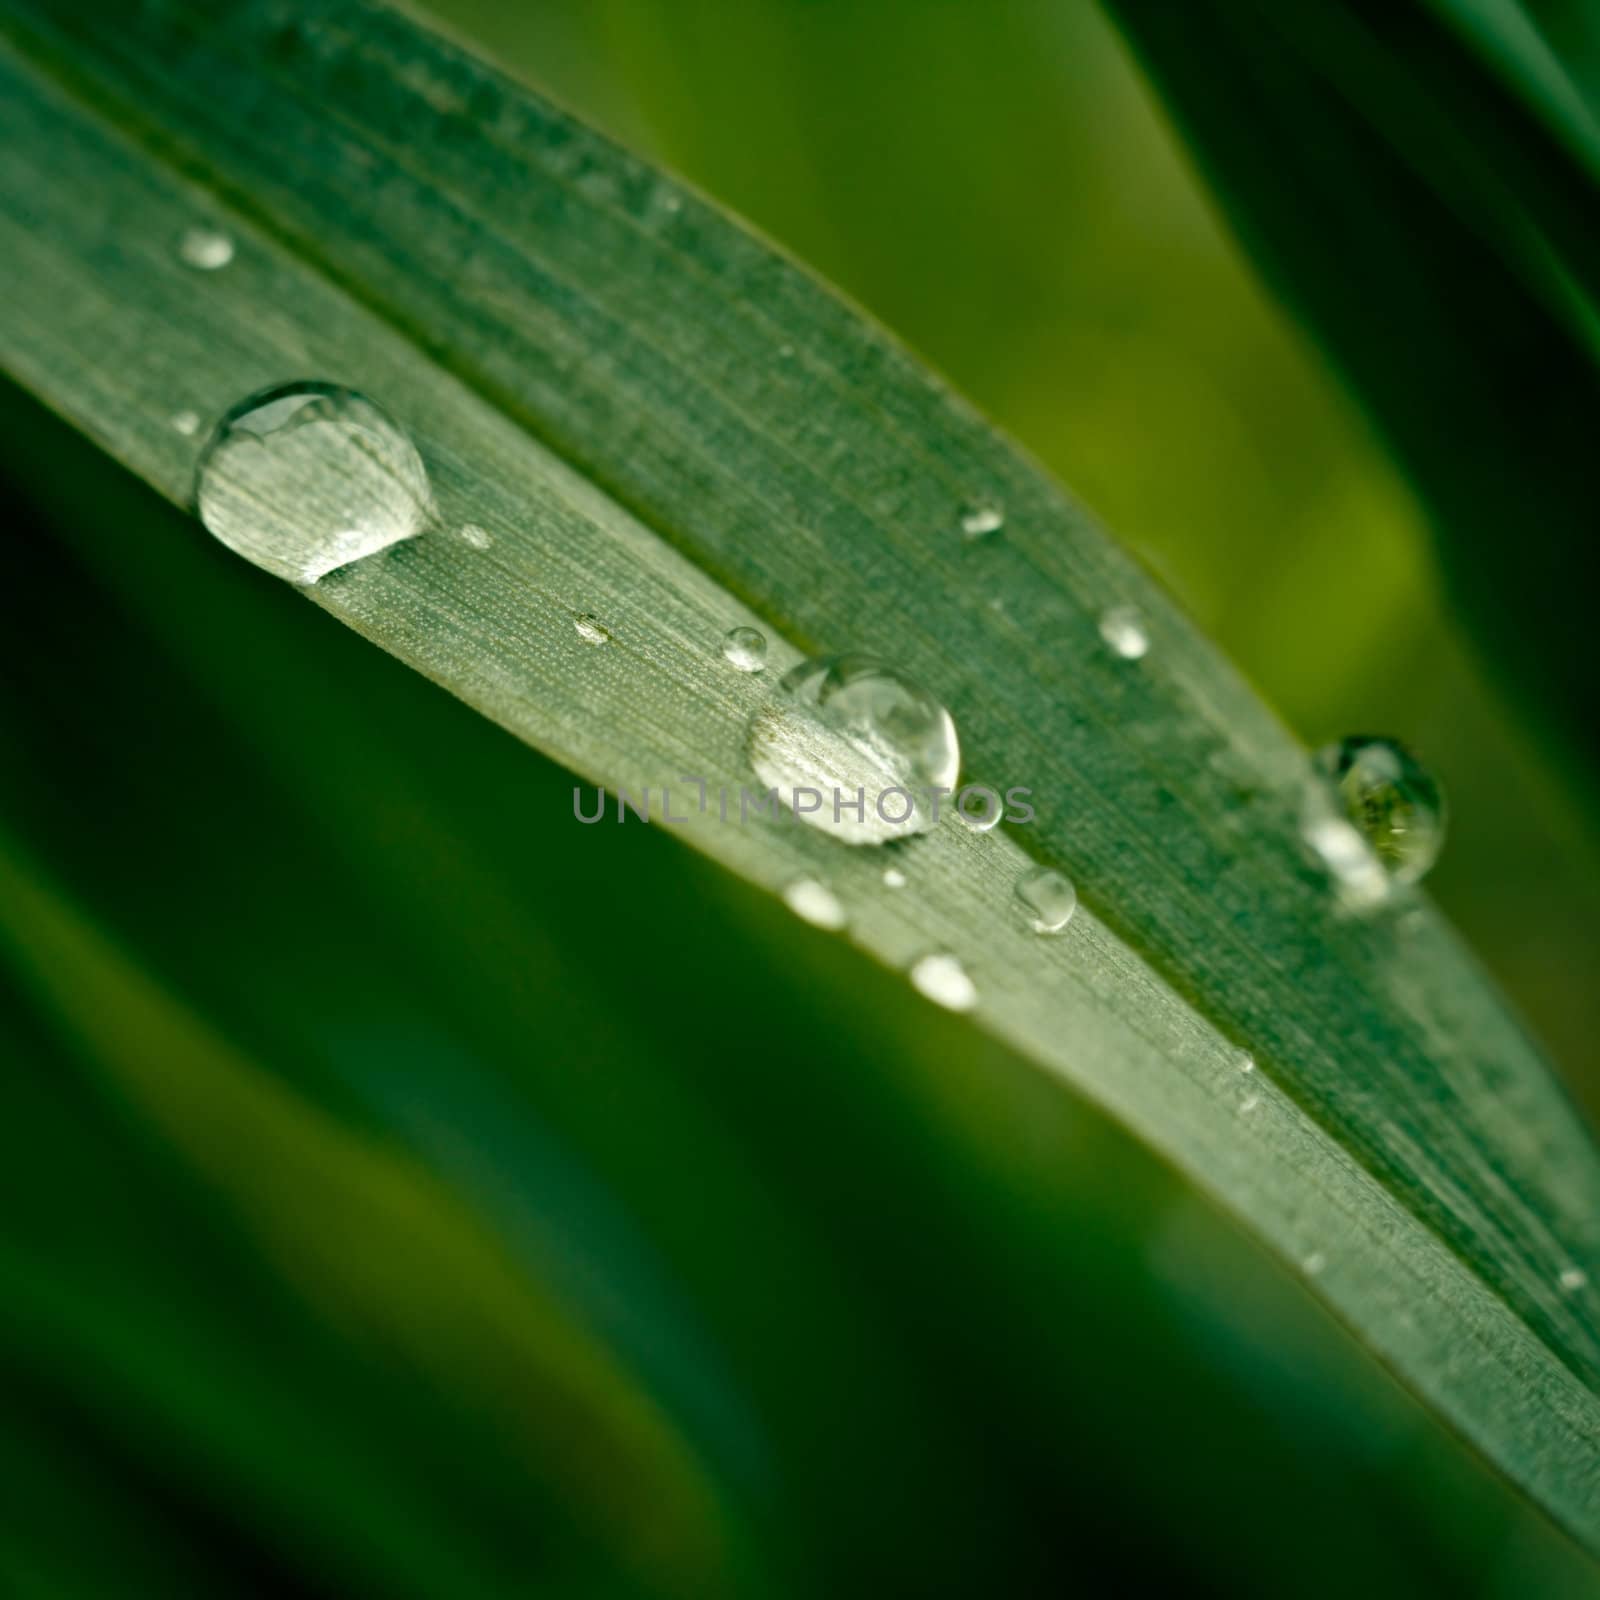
x=745 y=649
x=205 y=249
x=816 y=903
x=943 y=979
x=1378 y=790
x=1123 y=629
x=1049 y=897
x=308 y=477
x=852 y=746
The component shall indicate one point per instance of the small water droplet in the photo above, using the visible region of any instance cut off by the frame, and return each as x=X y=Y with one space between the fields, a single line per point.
x=1374 y=815
x=785 y=352
x=979 y=809
x=1313 y=1264
x=1050 y=898
x=943 y=979
x=980 y=518
x=1123 y=630
x=816 y=903
x=307 y=477
x=1573 y=1279
x=1249 y=1103
x=1247 y=1062
x=478 y=537
x=205 y=249
x=186 y=422
x=852 y=746
x=591 y=629
x=893 y=878
x=745 y=649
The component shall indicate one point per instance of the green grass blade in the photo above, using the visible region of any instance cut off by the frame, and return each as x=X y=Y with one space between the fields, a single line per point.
x=1419 y=181
x=661 y=422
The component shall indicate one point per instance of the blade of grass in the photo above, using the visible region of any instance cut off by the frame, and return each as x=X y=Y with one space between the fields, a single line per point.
x=660 y=422
x=1418 y=181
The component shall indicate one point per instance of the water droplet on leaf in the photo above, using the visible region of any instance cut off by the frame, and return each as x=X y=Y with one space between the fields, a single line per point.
x=1379 y=791
x=1573 y=1279
x=478 y=537
x=205 y=249
x=186 y=422
x=979 y=809
x=815 y=902
x=745 y=649
x=1050 y=898
x=852 y=746
x=893 y=878
x=591 y=629
x=1123 y=630
x=307 y=477
x=981 y=518
x=943 y=979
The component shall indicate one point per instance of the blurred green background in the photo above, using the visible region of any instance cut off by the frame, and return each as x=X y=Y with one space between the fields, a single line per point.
x=376 y=1222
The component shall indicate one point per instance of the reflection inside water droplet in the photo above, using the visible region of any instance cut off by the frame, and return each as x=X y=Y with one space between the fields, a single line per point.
x=852 y=746
x=307 y=477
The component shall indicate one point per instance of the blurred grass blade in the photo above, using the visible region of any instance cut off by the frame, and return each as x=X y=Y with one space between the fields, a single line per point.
x=378 y=1247
x=1419 y=181
x=660 y=422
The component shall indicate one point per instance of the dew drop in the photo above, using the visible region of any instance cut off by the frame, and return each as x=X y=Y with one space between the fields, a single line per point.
x=1049 y=897
x=1573 y=1279
x=943 y=979
x=1123 y=630
x=852 y=746
x=478 y=537
x=1387 y=800
x=815 y=902
x=205 y=249
x=1247 y=1062
x=591 y=629
x=1249 y=1104
x=1313 y=1264
x=186 y=422
x=979 y=809
x=307 y=477
x=981 y=518
x=745 y=649
x=893 y=878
